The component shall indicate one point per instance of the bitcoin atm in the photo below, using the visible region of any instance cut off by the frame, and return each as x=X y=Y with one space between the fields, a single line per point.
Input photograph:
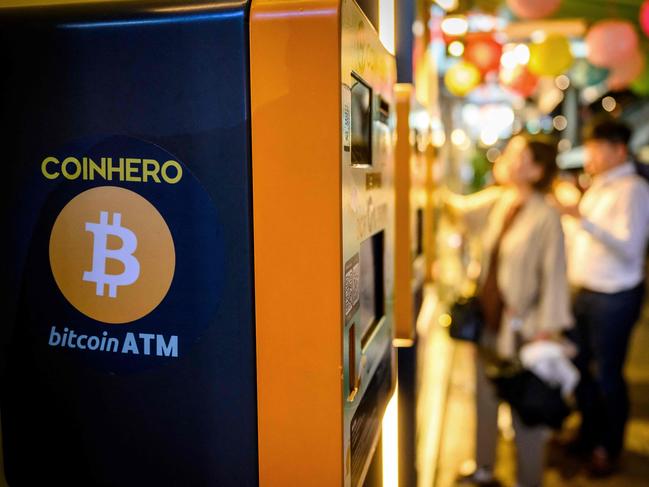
x=328 y=370
x=413 y=223
x=198 y=219
x=411 y=217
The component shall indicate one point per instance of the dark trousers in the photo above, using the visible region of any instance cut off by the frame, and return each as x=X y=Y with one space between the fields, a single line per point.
x=604 y=324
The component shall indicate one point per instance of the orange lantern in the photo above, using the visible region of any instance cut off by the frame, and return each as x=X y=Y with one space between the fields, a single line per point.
x=484 y=53
x=519 y=80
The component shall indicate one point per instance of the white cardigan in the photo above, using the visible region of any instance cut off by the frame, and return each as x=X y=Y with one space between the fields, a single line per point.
x=532 y=267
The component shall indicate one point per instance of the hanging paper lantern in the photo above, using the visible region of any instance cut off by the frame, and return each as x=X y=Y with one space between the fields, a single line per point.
x=583 y=74
x=484 y=53
x=462 y=78
x=611 y=42
x=640 y=85
x=533 y=9
x=621 y=76
x=644 y=17
x=551 y=57
x=519 y=80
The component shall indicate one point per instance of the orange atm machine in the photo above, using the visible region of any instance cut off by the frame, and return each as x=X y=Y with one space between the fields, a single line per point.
x=411 y=217
x=322 y=152
x=413 y=239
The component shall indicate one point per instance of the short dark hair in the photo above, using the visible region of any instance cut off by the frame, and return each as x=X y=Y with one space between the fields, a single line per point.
x=608 y=130
x=544 y=155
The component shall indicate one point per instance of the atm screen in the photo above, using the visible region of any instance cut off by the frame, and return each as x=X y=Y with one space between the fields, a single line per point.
x=361 y=123
x=372 y=285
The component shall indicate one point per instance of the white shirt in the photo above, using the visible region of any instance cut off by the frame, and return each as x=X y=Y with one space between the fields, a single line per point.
x=608 y=249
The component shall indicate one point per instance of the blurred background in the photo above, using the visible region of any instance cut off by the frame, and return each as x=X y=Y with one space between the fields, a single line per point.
x=485 y=70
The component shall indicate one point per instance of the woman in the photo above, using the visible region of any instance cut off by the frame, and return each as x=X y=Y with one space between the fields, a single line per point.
x=523 y=288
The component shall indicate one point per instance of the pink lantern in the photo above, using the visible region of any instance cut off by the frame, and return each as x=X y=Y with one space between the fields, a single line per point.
x=624 y=74
x=644 y=17
x=611 y=43
x=533 y=9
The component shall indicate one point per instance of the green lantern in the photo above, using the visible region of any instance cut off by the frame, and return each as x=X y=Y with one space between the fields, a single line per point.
x=640 y=86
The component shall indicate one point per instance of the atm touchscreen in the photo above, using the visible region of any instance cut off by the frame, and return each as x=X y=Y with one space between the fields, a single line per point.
x=361 y=122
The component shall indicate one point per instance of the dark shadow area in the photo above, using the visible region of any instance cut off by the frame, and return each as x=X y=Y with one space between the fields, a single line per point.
x=639 y=393
x=571 y=469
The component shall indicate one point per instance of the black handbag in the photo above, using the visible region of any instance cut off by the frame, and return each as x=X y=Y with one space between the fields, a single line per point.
x=466 y=320
x=536 y=402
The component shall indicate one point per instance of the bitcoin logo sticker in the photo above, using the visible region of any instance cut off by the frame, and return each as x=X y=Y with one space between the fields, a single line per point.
x=112 y=254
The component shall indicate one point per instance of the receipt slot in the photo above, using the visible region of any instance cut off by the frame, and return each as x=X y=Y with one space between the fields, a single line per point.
x=198 y=231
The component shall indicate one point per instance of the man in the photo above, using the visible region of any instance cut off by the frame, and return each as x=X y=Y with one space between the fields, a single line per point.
x=606 y=266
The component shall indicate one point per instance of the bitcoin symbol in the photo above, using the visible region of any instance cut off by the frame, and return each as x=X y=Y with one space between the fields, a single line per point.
x=90 y=250
x=101 y=253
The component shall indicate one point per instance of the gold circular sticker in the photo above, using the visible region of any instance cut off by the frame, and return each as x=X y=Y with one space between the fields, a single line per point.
x=112 y=254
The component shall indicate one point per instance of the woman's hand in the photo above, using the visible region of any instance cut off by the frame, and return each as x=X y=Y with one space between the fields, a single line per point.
x=516 y=323
x=513 y=318
x=450 y=205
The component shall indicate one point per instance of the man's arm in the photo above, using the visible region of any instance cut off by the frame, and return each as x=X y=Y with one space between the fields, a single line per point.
x=626 y=235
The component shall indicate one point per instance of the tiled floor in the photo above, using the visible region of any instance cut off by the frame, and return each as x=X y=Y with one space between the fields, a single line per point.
x=562 y=471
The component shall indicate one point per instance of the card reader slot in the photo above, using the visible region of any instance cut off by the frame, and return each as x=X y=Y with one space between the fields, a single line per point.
x=384 y=110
